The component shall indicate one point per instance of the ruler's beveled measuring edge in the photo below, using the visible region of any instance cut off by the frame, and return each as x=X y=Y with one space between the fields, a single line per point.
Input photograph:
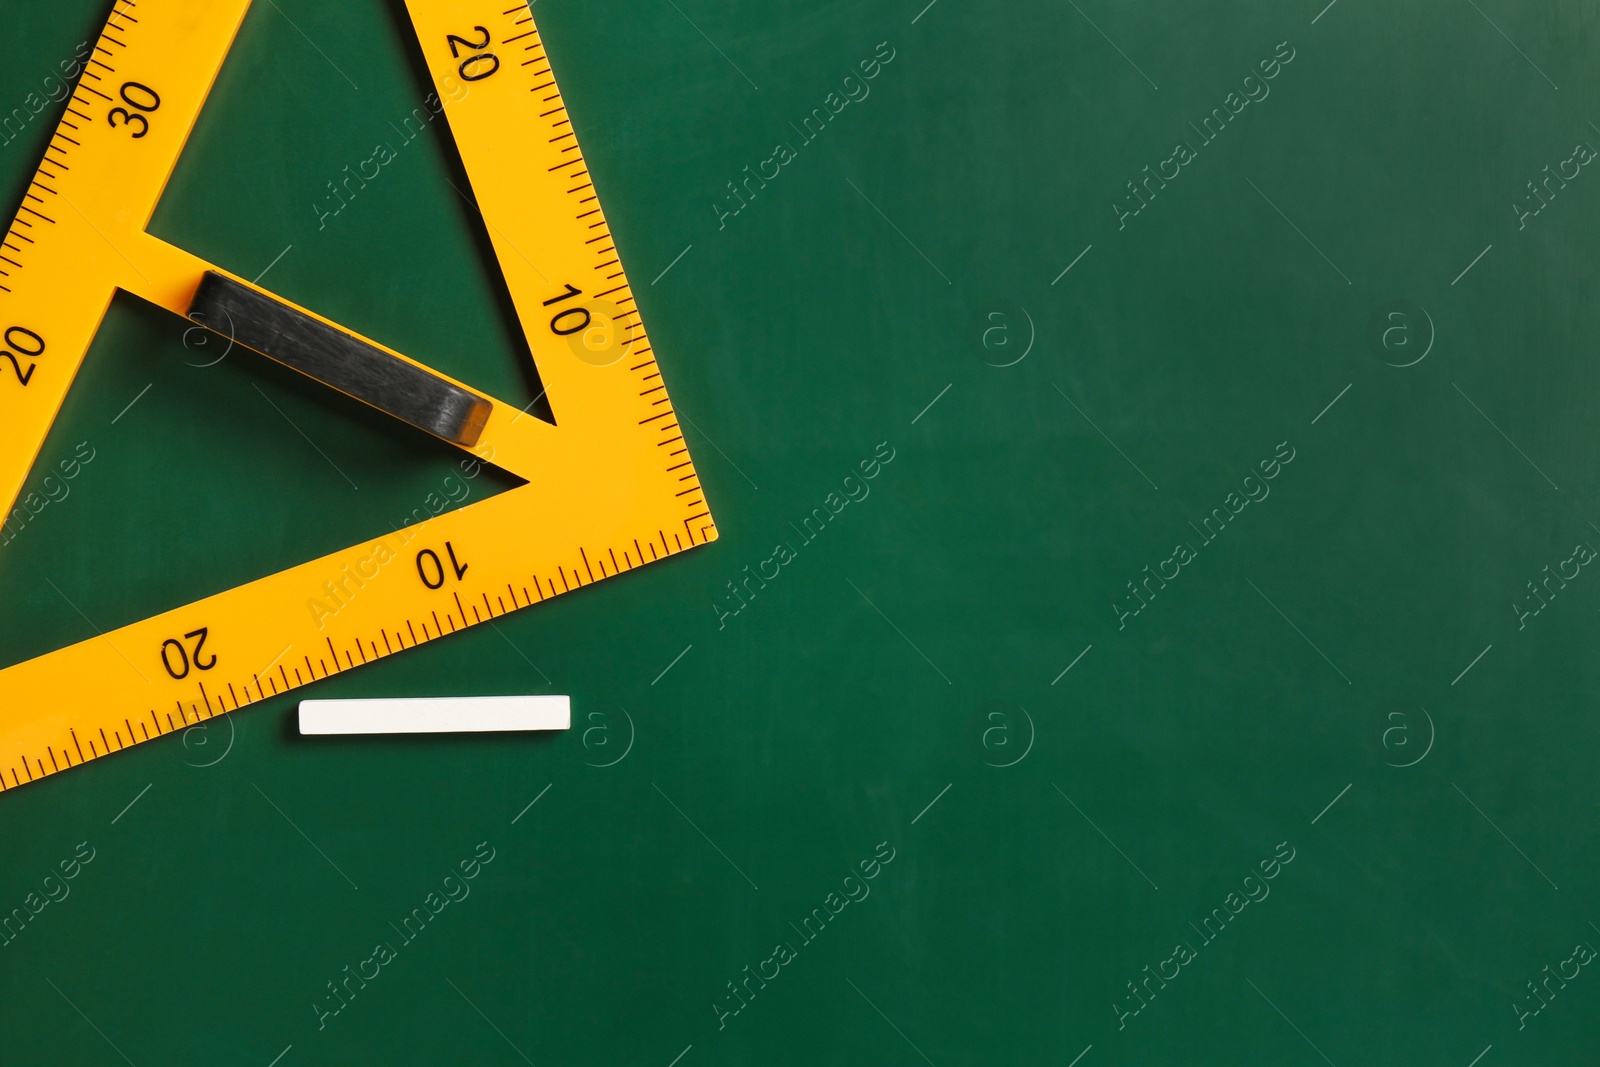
x=616 y=488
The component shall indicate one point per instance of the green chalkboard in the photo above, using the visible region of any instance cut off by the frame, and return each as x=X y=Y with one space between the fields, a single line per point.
x=1153 y=451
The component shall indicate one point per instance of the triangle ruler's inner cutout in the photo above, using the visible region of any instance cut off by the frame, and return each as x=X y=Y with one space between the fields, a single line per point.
x=335 y=178
x=608 y=489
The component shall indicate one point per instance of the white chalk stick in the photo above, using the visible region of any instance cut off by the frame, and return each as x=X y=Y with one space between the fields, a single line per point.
x=435 y=715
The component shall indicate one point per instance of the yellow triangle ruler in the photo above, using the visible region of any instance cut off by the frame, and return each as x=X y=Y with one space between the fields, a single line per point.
x=609 y=489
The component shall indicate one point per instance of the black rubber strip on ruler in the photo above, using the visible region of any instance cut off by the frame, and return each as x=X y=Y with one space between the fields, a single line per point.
x=337 y=359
